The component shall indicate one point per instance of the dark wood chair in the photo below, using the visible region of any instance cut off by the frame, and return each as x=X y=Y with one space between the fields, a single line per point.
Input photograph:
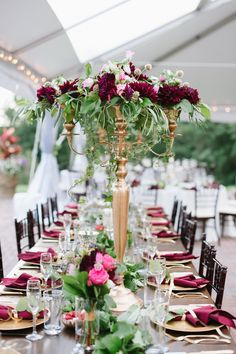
x=185 y=216
x=1 y=264
x=34 y=223
x=182 y=209
x=174 y=212
x=54 y=208
x=24 y=234
x=46 y=218
x=217 y=283
x=188 y=235
x=206 y=264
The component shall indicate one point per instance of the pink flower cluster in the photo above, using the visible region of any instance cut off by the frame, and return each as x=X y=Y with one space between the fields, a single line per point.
x=99 y=274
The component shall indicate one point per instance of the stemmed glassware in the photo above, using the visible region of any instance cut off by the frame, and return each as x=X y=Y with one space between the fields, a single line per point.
x=67 y=225
x=46 y=266
x=157 y=268
x=34 y=298
x=62 y=243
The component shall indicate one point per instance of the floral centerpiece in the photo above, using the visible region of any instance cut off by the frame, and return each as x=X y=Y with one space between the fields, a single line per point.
x=10 y=161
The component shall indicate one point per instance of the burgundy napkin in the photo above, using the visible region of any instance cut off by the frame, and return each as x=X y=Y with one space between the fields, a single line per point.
x=34 y=257
x=5 y=312
x=165 y=233
x=156 y=214
x=52 y=233
x=207 y=314
x=26 y=315
x=19 y=283
x=178 y=256
x=190 y=281
x=71 y=206
x=157 y=208
x=153 y=187
x=73 y=213
x=161 y=223
x=59 y=223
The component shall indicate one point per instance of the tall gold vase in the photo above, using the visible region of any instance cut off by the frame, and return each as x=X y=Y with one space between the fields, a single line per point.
x=123 y=297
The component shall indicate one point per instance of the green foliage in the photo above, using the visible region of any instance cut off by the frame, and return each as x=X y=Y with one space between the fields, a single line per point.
x=132 y=277
x=213 y=144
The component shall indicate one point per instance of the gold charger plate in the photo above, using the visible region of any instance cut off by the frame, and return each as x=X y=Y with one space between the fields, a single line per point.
x=13 y=325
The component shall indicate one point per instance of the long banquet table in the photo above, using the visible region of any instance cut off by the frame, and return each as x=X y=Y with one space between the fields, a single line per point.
x=63 y=343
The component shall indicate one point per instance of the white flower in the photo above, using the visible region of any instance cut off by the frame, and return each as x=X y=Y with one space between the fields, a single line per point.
x=135 y=96
x=88 y=82
x=179 y=73
x=127 y=69
x=146 y=162
x=148 y=67
x=137 y=72
x=186 y=84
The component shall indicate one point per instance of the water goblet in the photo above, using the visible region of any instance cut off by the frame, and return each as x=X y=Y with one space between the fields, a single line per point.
x=46 y=266
x=157 y=268
x=34 y=298
x=62 y=243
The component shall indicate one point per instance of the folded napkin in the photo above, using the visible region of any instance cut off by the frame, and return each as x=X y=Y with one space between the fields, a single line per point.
x=58 y=223
x=156 y=214
x=34 y=257
x=157 y=208
x=5 y=312
x=178 y=256
x=161 y=223
x=165 y=233
x=51 y=233
x=18 y=283
x=71 y=206
x=73 y=213
x=208 y=314
x=190 y=281
x=26 y=315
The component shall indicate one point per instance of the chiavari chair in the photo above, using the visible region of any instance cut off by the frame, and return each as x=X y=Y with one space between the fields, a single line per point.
x=1 y=263
x=24 y=234
x=188 y=235
x=182 y=209
x=217 y=283
x=54 y=208
x=174 y=212
x=45 y=215
x=206 y=264
x=185 y=216
x=34 y=223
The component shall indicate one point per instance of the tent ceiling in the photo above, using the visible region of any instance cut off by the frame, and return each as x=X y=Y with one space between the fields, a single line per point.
x=201 y=42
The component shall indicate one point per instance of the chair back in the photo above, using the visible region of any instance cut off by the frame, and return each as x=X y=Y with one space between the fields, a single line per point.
x=24 y=234
x=217 y=283
x=206 y=264
x=54 y=208
x=188 y=236
x=45 y=215
x=185 y=216
x=182 y=208
x=174 y=211
x=34 y=223
x=206 y=199
x=1 y=264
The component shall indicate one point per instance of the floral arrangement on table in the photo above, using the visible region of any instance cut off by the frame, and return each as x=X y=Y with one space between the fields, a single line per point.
x=10 y=163
x=91 y=279
x=142 y=100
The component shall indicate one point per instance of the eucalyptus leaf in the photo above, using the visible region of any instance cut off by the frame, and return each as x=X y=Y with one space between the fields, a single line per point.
x=88 y=69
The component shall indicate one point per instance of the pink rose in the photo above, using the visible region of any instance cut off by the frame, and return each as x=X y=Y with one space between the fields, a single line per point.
x=98 y=275
x=120 y=88
x=108 y=262
x=122 y=76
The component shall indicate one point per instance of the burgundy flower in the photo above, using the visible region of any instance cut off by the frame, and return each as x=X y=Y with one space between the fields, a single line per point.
x=107 y=87
x=145 y=90
x=128 y=92
x=88 y=261
x=69 y=86
x=138 y=77
x=170 y=95
x=191 y=94
x=46 y=92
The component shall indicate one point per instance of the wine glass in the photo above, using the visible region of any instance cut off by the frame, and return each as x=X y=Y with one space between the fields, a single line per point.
x=62 y=243
x=46 y=266
x=67 y=225
x=34 y=297
x=157 y=268
x=161 y=306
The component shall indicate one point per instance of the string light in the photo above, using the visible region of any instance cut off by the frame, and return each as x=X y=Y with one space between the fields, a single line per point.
x=21 y=66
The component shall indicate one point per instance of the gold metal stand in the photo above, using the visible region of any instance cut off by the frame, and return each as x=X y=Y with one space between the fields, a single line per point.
x=172 y=116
